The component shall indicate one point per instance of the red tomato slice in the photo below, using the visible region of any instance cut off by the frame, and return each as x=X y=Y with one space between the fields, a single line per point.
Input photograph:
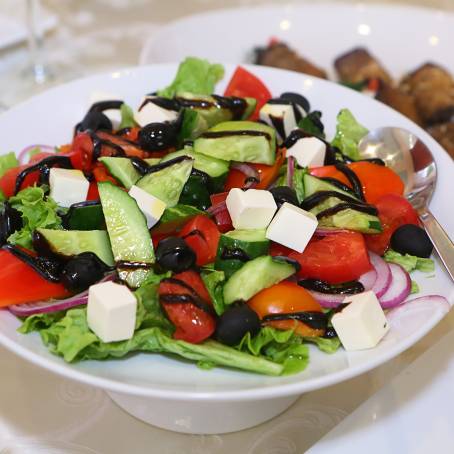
x=192 y=323
x=8 y=180
x=376 y=180
x=334 y=258
x=81 y=153
x=286 y=298
x=244 y=84
x=15 y=273
x=393 y=211
x=202 y=235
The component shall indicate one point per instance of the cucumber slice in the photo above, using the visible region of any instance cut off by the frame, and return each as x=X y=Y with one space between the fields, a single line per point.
x=249 y=243
x=167 y=184
x=84 y=216
x=74 y=242
x=128 y=232
x=231 y=142
x=313 y=184
x=122 y=170
x=211 y=166
x=254 y=276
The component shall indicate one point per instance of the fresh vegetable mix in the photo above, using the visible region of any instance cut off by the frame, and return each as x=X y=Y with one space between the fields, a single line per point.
x=193 y=229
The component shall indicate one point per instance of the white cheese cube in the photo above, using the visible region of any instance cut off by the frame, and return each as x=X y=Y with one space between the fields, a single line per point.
x=152 y=207
x=251 y=209
x=149 y=112
x=361 y=324
x=292 y=227
x=308 y=152
x=114 y=115
x=111 y=311
x=279 y=116
x=68 y=186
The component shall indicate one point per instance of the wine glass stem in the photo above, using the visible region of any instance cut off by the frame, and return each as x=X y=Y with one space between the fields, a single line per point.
x=35 y=43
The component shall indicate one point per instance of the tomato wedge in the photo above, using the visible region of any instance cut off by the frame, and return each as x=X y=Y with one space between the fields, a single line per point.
x=20 y=283
x=201 y=235
x=192 y=323
x=393 y=211
x=244 y=84
x=334 y=258
x=286 y=298
x=376 y=180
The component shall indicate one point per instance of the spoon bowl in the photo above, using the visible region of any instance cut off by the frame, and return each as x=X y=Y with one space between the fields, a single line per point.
x=412 y=160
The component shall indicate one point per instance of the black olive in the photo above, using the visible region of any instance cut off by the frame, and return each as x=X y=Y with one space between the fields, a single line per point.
x=298 y=99
x=94 y=121
x=235 y=322
x=10 y=221
x=283 y=194
x=174 y=254
x=158 y=136
x=411 y=239
x=82 y=271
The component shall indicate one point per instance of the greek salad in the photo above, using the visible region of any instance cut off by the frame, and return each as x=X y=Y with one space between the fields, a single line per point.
x=224 y=229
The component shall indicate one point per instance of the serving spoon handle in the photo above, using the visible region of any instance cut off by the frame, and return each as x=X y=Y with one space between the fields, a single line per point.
x=440 y=239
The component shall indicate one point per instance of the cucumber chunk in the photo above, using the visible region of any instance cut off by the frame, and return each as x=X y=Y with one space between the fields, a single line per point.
x=313 y=184
x=254 y=276
x=230 y=141
x=167 y=184
x=122 y=170
x=84 y=216
x=74 y=242
x=128 y=233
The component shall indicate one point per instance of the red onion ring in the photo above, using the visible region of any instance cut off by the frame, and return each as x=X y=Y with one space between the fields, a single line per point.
x=437 y=301
x=24 y=153
x=399 y=289
x=250 y=172
x=384 y=276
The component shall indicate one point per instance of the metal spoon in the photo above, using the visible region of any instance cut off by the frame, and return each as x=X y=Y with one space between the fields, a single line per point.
x=412 y=160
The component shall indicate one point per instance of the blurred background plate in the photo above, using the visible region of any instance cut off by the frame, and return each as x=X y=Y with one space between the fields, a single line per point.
x=402 y=37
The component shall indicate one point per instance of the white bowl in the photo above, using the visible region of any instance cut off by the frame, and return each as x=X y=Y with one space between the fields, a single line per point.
x=175 y=394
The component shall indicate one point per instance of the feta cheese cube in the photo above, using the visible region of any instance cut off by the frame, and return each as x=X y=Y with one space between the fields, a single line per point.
x=114 y=115
x=111 y=311
x=149 y=112
x=292 y=227
x=152 y=207
x=68 y=186
x=251 y=209
x=279 y=116
x=361 y=324
x=308 y=152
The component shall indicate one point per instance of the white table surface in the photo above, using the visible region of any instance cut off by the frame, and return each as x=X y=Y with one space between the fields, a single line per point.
x=44 y=413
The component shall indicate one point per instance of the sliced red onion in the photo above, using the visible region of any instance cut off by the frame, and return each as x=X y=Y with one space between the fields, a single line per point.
x=399 y=289
x=435 y=301
x=216 y=209
x=23 y=155
x=250 y=172
x=384 y=276
x=290 y=171
x=368 y=279
x=328 y=300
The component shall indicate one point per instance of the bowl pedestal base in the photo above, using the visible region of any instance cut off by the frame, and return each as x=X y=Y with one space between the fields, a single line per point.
x=201 y=417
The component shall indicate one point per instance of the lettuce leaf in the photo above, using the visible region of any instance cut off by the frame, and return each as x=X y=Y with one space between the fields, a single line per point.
x=324 y=344
x=37 y=210
x=414 y=287
x=127 y=117
x=410 y=262
x=312 y=124
x=195 y=76
x=8 y=161
x=348 y=134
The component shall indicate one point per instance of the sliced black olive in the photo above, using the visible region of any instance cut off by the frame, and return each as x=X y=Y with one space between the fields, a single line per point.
x=94 y=121
x=158 y=136
x=411 y=239
x=174 y=254
x=10 y=221
x=235 y=322
x=284 y=194
x=298 y=99
x=82 y=271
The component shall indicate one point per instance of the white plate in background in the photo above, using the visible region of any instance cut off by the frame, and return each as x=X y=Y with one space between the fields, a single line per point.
x=402 y=37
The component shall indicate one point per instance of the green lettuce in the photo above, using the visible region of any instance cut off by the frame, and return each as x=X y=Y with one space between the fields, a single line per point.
x=37 y=210
x=410 y=262
x=414 y=287
x=348 y=134
x=127 y=117
x=324 y=344
x=214 y=281
x=311 y=124
x=7 y=161
x=195 y=76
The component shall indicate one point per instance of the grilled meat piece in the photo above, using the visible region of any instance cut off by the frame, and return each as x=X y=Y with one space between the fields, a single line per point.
x=444 y=135
x=358 y=65
x=433 y=89
x=279 y=55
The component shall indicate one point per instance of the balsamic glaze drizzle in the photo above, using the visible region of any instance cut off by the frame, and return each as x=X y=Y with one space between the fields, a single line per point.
x=315 y=320
x=339 y=185
x=144 y=168
x=313 y=200
x=220 y=134
x=234 y=254
x=317 y=285
x=368 y=209
x=352 y=178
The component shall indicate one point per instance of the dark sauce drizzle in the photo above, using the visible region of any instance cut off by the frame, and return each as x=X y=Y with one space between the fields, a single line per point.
x=287 y=102
x=98 y=143
x=144 y=168
x=106 y=105
x=368 y=209
x=130 y=265
x=317 y=285
x=10 y=221
x=315 y=320
x=338 y=184
x=234 y=254
x=220 y=134
x=354 y=180
x=43 y=167
x=195 y=232
x=313 y=200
